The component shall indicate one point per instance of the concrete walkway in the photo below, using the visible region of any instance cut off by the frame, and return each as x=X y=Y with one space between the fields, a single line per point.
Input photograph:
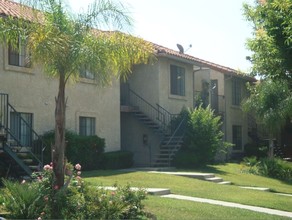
x=231 y=204
x=165 y=193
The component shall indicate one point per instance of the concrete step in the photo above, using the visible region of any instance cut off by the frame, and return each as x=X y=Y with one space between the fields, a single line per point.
x=225 y=183
x=214 y=179
x=255 y=188
x=201 y=176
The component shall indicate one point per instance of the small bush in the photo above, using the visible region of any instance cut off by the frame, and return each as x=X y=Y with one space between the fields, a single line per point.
x=270 y=167
x=203 y=138
x=122 y=203
x=86 y=150
x=275 y=168
x=117 y=160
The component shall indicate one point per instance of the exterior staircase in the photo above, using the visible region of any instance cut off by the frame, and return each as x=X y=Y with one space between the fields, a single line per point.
x=160 y=121
x=19 y=157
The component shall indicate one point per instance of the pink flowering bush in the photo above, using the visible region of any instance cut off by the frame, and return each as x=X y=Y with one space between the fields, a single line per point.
x=35 y=199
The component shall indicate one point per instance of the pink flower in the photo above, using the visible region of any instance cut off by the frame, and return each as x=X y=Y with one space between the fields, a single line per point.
x=47 y=167
x=79 y=173
x=56 y=187
x=78 y=166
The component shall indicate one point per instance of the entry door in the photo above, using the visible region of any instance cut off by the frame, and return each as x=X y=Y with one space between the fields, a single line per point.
x=214 y=95
x=21 y=126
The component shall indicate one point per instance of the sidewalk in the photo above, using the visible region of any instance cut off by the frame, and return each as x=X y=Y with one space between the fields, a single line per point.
x=231 y=204
x=165 y=193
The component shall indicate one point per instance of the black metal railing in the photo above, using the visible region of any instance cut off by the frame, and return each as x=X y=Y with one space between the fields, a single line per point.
x=29 y=142
x=177 y=133
x=18 y=132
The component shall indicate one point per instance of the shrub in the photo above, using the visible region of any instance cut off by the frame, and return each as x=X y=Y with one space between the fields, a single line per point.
x=256 y=149
x=203 y=137
x=40 y=199
x=270 y=167
x=86 y=150
x=117 y=160
x=186 y=159
x=22 y=201
x=275 y=168
x=122 y=203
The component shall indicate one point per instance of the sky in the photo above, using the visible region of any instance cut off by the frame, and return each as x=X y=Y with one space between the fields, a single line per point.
x=216 y=29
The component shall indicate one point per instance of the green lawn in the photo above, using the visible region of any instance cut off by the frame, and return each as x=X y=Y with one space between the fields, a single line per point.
x=203 y=189
x=170 y=209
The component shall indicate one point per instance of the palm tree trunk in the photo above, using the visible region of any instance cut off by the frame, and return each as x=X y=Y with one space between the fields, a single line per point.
x=58 y=150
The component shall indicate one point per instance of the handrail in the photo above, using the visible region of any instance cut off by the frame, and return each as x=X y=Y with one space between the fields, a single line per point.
x=148 y=109
x=172 y=136
x=37 y=138
x=166 y=118
x=19 y=144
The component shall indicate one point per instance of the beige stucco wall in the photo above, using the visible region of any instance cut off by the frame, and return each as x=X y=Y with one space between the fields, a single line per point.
x=234 y=114
x=174 y=103
x=31 y=91
x=145 y=81
x=133 y=132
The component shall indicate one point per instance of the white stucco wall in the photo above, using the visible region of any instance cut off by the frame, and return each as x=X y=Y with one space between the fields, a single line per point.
x=31 y=91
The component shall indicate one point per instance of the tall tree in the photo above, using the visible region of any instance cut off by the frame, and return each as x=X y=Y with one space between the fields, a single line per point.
x=65 y=43
x=271 y=102
x=271 y=43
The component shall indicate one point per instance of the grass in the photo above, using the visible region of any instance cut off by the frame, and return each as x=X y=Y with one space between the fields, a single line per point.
x=170 y=209
x=198 y=188
x=166 y=208
x=234 y=173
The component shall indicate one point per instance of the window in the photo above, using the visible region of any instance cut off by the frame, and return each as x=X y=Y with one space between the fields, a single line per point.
x=236 y=92
x=177 y=80
x=84 y=73
x=86 y=126
x=237 y=137
x=20 y=125
x=20 y=56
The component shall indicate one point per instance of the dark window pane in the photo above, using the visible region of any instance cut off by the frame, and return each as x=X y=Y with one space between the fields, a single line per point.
x=237 y=137
x=177 y=80
x=86 y=126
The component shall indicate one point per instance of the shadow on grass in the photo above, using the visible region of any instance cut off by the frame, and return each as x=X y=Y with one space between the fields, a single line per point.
x=205 y=169
x=98 y=173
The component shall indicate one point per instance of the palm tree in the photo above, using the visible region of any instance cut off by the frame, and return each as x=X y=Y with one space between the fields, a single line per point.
x=270 y=102
x=64 y=44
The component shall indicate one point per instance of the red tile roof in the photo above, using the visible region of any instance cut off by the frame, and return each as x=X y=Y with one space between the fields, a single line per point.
x=162 y=51
x=10 y=8
x=16 y=10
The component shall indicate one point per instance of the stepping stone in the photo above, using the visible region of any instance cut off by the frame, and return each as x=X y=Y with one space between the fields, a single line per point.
x=225 y=183
x=283 y=194
x=255 y=188
x=214 y=179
